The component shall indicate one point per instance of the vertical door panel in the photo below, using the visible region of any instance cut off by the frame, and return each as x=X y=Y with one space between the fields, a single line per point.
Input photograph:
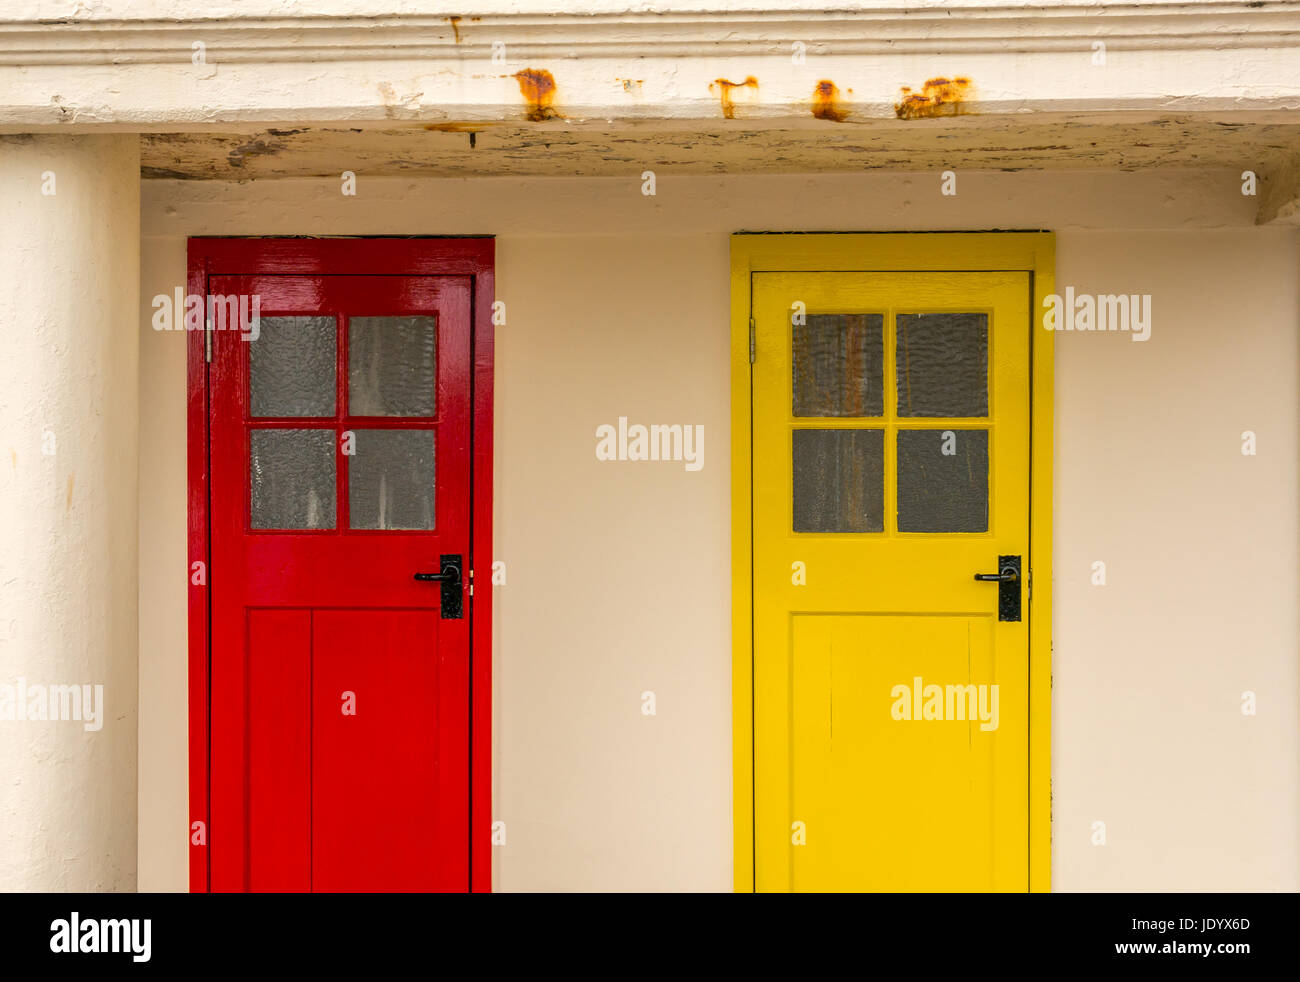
x=387 y=792
x=340 y=467
x=890 y=465
x=279 y=750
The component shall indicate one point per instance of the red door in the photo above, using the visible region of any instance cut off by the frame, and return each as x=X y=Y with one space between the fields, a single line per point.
x=340 y=467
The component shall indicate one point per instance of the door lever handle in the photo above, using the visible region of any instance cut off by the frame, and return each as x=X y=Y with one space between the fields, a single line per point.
x=1008 y=579
x=449 y=577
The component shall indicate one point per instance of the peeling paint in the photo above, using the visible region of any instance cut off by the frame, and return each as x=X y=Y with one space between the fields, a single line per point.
x=395 y=104
x=990 y=143
x=631 y=85
x=826 y=103
x=252 y=148
x=167 y=173
x=938 y=97
x=726 y=88
x=537 y=86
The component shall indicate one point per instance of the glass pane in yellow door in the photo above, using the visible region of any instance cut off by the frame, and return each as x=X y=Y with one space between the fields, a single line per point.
x=943 y=480
x=838 y=365
x=942 y=363
x=839 y=480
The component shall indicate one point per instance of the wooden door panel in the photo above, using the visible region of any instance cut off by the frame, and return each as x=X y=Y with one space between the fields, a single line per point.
x=279 y=750
x=323 y=601
x=864 y=777
x=386 y=805
x=890 y=465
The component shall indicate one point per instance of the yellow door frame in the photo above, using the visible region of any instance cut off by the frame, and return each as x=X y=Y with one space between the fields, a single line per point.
x=1031 y=252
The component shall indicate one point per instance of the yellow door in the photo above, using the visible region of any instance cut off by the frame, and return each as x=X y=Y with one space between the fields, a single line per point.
x=891 y=423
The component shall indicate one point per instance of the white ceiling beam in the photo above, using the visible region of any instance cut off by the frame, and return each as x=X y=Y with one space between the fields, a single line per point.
x=660 y=62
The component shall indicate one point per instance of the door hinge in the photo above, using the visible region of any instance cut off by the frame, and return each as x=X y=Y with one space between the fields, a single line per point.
x=207 y=340
x=751 y=340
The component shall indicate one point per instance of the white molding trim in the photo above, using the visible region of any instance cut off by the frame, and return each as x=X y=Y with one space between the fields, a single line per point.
x=1010 y=28
x=646 y=67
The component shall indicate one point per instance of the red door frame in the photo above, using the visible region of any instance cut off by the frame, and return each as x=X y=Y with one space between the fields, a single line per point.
x=470 y=256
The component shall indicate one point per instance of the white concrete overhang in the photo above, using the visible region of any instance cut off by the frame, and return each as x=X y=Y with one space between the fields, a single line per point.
x=530 y=87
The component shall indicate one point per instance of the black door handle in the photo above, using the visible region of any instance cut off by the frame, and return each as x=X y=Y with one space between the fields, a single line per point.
x=449 y=577
x=1008 y=580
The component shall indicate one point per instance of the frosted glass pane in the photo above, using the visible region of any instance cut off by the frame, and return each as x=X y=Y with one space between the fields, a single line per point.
x=839 y=480
x=391 y=480
x=943 y=480
x=291 y=476
x=943 y=364
x=291 y=367
x=391 y=370
x=838 y=363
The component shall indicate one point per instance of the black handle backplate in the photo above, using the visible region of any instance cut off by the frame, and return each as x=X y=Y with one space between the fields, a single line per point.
x=449 y=575
x=1008 y=580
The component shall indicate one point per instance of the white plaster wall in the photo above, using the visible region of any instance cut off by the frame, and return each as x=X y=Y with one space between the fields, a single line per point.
x=1200 y=547
x=69 y=272
x=618 y=575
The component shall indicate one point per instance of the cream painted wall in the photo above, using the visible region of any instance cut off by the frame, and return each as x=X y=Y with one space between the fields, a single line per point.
x=618 y=574
x=1200 y=547
x=164 y=578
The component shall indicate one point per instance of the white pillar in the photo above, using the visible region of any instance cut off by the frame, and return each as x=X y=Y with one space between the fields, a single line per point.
x=69 y=360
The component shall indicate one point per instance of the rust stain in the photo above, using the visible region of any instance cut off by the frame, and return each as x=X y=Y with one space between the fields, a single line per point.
x=826 y=103
x=72 y=478
x=631 y=84
x=726 y=89
x=938 y=97
x=456 y=127
x=455 y=27
x=537 y=86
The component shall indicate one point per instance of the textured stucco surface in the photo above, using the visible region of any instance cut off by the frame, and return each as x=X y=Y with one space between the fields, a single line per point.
x=69 y=276
x=619 y=579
